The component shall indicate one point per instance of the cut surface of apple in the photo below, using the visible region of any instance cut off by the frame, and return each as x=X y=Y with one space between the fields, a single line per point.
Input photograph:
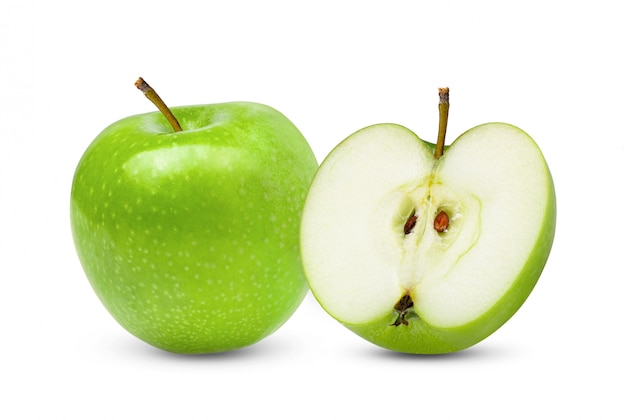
x=426 y=255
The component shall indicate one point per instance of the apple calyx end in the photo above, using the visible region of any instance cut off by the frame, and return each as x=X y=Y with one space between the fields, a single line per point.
x=404 y=308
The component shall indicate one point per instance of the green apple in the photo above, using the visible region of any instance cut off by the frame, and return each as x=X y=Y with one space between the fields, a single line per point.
x=190 y=238
x=423 y=252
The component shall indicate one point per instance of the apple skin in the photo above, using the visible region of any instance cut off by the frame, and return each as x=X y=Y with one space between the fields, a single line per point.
x=420 y=337
x=190 y=239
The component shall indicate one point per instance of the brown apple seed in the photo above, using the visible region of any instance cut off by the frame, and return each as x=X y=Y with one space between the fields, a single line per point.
x=442 y=221
x=410 y=224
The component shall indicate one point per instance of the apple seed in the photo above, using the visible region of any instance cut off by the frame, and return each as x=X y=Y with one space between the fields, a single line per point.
x=410 y=223
x=441 y=222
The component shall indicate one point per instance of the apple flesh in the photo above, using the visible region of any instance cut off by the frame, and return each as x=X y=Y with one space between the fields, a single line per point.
x=425 y=255
x=190 y=239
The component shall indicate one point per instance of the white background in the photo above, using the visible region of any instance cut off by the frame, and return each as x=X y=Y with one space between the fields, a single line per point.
x=556 y=69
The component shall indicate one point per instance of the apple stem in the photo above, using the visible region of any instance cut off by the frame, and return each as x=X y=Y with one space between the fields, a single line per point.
x=444 y=107
x=151 y=94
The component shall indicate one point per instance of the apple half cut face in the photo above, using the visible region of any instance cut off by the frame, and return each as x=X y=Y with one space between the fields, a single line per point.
x=425 y=255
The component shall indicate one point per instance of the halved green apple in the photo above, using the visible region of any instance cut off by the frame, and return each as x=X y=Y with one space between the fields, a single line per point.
x=425 y=254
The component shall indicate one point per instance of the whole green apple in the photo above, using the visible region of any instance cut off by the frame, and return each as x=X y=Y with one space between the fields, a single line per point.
x=191 y=238
x=428 y=252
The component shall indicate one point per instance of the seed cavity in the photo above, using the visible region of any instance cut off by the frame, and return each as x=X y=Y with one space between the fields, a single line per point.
x=403 y=308
x=442 y=221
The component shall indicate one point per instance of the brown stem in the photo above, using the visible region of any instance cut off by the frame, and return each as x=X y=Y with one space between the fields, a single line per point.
x=156 y=99
x=444 y=107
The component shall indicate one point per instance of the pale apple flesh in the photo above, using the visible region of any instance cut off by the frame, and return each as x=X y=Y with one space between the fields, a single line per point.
x=425 y=255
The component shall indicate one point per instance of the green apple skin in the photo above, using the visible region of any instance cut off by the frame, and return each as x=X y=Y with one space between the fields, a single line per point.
x=190 y=239
x=420 y=337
